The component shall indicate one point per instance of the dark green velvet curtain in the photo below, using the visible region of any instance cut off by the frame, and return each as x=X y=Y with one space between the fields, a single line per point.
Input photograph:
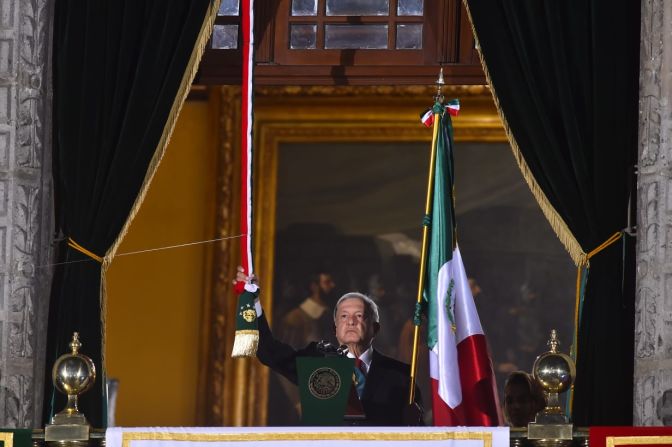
x=118 y=67
x=566 y=76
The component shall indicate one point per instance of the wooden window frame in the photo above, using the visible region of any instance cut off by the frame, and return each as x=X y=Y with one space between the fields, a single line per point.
x=447 y=42
x=320 y=56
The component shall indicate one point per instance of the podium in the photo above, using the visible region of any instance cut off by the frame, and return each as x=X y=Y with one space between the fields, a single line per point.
x=328 y=397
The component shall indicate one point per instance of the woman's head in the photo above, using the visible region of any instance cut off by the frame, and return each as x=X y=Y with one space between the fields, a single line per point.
x=523 y=399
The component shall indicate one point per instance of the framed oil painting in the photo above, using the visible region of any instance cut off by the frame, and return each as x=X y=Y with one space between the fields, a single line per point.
x=340 y=184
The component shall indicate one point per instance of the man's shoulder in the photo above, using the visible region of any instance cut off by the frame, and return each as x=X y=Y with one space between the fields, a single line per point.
x=382 y=360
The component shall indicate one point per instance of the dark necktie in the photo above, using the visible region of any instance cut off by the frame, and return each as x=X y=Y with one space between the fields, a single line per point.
x=360 y=377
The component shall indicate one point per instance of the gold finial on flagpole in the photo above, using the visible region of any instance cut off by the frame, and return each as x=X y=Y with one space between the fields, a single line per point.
x=439 y=83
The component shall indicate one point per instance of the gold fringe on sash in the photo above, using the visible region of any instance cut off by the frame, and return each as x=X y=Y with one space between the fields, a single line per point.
x=557 y=223
x=245 y=343
x=180 y=97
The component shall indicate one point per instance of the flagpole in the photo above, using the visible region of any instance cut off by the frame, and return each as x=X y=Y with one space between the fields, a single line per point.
x=425 y=236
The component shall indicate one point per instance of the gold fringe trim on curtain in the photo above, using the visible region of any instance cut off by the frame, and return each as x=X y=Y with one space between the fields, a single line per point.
x=557 y=223
x=180 y=97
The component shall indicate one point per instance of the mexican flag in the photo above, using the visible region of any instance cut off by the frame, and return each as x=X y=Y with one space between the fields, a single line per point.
x=463 y=382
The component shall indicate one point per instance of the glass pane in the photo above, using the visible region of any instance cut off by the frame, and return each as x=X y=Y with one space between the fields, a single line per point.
x=409 y=37
x=225 y=37
x=358 y=7
x=302 y=37
x=355 y=36
x=228 y=8
x=304 y=7
x=409 y=7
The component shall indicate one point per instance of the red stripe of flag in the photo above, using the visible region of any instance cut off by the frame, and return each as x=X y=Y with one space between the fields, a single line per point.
x=479 y=406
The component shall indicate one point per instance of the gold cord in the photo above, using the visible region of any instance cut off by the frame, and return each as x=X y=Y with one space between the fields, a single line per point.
x=614 y=237
x=79 y=248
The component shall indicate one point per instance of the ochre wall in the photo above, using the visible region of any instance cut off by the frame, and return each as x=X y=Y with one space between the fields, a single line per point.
x=154 y=299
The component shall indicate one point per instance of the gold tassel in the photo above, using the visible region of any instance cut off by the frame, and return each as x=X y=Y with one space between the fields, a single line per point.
x=245 y=343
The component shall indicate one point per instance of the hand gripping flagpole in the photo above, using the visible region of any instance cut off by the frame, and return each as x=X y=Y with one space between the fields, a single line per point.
x=437 y=111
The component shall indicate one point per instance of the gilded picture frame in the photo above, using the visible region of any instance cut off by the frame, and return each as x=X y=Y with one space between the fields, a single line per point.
x=233 y=392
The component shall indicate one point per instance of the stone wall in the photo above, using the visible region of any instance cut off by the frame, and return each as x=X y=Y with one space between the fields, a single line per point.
x=653 y=306
x=26 y=216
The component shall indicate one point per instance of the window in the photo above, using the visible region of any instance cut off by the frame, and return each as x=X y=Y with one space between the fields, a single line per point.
x=346 y=42
x=357 y=32
x=225 y=31
x=379 y=27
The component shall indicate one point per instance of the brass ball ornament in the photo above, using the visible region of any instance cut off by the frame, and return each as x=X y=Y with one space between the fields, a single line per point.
x=555 y=372
x=73 y=374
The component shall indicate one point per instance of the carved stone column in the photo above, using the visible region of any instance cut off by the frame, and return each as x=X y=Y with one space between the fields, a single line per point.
x=26 y=216
x=653 y=306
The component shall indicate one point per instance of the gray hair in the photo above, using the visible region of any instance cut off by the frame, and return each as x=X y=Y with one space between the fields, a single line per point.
x=370 y=305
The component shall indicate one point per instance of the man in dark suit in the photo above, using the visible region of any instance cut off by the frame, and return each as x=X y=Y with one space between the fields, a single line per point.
x=382 y=383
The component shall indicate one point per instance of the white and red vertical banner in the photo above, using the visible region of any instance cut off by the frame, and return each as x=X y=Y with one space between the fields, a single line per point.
x=246 y=340
x=247 y=120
